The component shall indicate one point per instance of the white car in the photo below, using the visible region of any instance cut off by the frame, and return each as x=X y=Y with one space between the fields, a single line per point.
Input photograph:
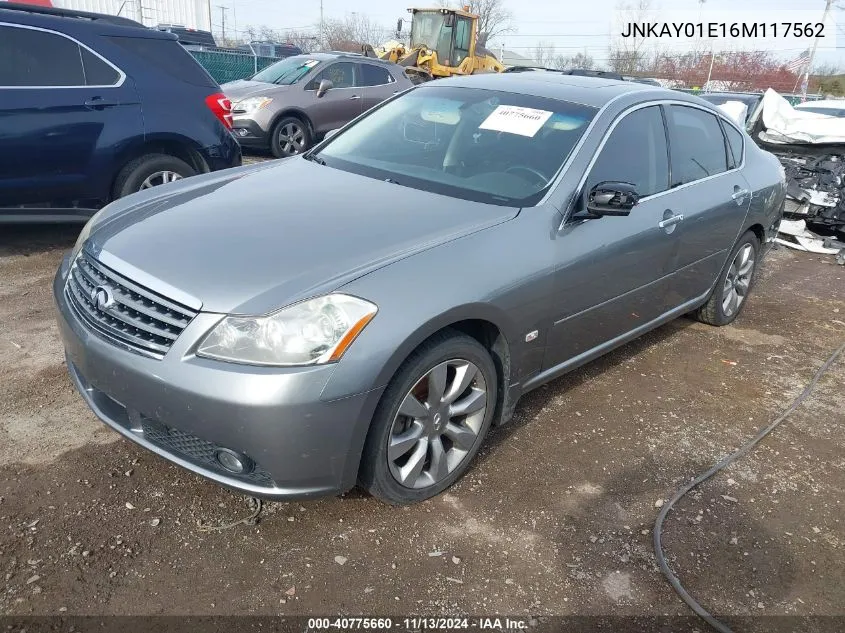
x=830 y=107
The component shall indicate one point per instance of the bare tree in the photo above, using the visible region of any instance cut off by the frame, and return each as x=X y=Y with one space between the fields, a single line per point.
x=545 y=54
x=351 y=32
x=307 y=41
x=628 y=55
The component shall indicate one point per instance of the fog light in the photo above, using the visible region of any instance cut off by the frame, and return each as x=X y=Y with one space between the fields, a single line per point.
x=232 y=461
x=241 y=131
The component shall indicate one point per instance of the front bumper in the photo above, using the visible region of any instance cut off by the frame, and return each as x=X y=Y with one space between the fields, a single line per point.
x=184 y=408
x=250 y=134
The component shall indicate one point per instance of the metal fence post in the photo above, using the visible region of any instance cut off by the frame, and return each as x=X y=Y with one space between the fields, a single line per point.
x=255 y=64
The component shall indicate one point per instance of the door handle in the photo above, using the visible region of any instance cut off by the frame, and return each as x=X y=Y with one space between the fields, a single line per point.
x=353 y=97
x=671 y=221
x=739 y=194
x=99 y=102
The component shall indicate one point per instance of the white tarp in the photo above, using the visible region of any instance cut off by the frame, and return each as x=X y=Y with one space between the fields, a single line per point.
x=737 y=110
x=785 y=124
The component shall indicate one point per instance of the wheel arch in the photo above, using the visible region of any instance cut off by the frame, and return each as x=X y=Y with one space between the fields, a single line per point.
x=180 y=147
x=297 y=113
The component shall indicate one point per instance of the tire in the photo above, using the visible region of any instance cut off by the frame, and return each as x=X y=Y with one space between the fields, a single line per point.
x=737 y=280
x=381 y=469
x=134 y=176
x=293 y=128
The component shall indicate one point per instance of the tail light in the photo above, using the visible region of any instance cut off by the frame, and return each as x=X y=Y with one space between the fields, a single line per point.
x=221 y=106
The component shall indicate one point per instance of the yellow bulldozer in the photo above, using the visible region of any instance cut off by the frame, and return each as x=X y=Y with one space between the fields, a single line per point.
x=444 y=42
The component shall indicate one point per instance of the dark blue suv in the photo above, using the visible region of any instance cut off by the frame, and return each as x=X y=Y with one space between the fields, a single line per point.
x=95 y=107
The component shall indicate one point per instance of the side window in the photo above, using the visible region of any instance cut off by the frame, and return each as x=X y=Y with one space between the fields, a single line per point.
x=735 y=143
x=97 y=72
x=698 y=146
x=372 y=75
x=341 y=74
x=639 y=134
x=462 y=39
x=37 y=58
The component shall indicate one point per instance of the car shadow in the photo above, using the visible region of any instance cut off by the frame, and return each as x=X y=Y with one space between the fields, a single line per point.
x=27 y=239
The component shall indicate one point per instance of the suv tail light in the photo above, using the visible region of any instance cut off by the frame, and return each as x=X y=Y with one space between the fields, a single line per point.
x=221 y=106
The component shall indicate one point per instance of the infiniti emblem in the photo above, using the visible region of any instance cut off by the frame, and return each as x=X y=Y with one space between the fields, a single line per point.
x=102 y=298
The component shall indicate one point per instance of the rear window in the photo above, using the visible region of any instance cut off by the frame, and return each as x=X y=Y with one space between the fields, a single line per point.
x=97 y=72
x=167 y=56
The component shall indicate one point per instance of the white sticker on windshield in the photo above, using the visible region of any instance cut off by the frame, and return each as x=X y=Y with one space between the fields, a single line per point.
x=311 y=63
x=516 y=120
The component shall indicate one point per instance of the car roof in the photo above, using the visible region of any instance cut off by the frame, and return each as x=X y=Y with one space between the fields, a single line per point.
x=590 y=91
x=838 y=104
x=76 y=22
x=325 y=56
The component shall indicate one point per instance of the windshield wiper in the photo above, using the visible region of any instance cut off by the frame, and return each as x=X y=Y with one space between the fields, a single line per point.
x=314 y=158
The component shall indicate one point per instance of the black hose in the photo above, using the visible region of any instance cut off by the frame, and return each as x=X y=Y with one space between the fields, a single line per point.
x=658 y=525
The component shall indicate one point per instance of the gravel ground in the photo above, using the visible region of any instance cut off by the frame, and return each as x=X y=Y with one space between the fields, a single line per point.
x=554 y=518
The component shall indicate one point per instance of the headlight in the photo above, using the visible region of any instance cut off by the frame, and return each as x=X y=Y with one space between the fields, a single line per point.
x=250 y=105
x=312 y=332
x=86 y=233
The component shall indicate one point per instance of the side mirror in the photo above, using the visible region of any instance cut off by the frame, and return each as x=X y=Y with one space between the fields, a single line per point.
x=324 y=87
x=612 y=198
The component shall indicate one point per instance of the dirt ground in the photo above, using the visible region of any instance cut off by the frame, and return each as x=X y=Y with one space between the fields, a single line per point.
x=554 y=518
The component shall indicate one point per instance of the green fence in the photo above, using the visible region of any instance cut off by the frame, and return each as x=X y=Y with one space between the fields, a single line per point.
x=225 y=66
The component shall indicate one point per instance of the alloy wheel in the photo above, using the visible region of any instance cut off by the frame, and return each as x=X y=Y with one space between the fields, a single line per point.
x=738 y=280
x=437 y=424
x=291 y=138
x=160 y=178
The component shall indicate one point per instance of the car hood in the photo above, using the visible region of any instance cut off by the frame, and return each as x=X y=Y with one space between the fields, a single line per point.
x=243 y=88
x=257 y=239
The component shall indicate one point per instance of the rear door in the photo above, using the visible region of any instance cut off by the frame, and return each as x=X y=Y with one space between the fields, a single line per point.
x=713 y=197
x=376 y=83
x=339 y=105
x=63 y=108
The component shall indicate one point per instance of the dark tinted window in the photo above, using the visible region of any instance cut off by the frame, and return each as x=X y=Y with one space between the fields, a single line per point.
x=635 y=153
x=698 y=146
x=371 y=75
x=97 y=72
x=37 y=58
x=735 y=143
x=167 y=56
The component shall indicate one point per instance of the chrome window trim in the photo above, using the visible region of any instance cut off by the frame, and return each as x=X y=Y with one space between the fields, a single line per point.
x=121 y=74
x=634 y=108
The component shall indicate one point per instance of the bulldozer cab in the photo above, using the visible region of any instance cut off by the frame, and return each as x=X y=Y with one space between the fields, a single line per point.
x=448 y=32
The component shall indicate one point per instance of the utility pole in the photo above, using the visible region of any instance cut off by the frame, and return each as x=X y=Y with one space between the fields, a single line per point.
x=806 y=81
x=322 y=27
x=222 y=20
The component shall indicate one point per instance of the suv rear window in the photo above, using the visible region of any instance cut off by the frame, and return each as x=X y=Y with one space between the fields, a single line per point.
x=168 y=56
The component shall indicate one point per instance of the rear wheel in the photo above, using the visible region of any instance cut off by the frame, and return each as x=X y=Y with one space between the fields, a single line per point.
x=290 y=136
x=734 y=284
x=150 y=171
x=431 y=420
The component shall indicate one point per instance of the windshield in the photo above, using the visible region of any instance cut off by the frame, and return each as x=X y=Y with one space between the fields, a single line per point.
x=496 y=147
x=288 y=71
x=429 y=29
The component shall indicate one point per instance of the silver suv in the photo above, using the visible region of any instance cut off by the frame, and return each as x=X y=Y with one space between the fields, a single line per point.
x=289 y=105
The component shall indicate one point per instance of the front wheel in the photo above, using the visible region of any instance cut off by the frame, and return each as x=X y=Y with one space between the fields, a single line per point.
x=734 y=284
x=290 y=136
x=431 y=420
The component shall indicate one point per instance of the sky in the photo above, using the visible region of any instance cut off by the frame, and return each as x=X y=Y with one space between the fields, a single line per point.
x=572 y=26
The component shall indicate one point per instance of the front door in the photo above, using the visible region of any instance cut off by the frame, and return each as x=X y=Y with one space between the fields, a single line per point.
x=614 y=273
x=339 y=105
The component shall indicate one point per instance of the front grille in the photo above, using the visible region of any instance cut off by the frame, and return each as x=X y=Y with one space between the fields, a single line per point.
x=127 y=314
x=196 y=450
